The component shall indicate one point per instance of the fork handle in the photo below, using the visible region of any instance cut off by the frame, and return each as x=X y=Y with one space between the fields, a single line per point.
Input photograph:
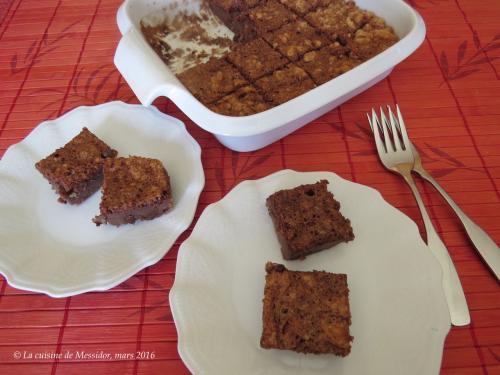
x=454 y=294
x=483 y=243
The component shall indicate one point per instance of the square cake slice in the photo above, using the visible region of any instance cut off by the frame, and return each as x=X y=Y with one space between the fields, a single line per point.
x=307 y=219
x=75 y=170
x=234 y=14
x=243 y=102
x=212 y=80
x=270 y=16
x=255 y=59
x=339 y=20
x=307 y=312
x=328 y=62
x=295 y=39
x=284 y=84
x=135 y=188
x=373 y=38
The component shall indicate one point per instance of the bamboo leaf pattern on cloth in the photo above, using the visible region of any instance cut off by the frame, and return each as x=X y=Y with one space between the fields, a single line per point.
x=468 y=66
x=31 y=57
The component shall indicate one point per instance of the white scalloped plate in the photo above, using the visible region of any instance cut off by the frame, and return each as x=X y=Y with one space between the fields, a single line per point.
x=399 y=314
x=55 y=248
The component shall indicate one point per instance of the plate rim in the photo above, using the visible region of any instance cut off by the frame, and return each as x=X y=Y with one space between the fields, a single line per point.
x=98 y=285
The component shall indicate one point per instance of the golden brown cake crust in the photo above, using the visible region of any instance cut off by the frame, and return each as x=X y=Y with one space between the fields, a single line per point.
x=302 y=7
x=339 y=20
x=270 y=16
x=327 y=63
x=307 y=219
x=307 y=312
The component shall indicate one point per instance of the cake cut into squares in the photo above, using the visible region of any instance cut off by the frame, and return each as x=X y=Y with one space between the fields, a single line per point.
x=327 y=63
x=307 y=312
x=307 y=219
x=75 y=170
x=212 y=80
x=295 y=39
x=134 y=188
x=339 y=20
x=285 y=84
x=243 y=102
x=255 y=59
x=270 y=16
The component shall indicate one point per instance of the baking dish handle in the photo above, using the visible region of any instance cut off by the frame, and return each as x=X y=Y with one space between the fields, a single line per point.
x=122 y=19
x=142 y=68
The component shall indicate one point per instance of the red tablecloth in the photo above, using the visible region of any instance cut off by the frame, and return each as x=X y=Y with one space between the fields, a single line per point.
x=58 y=54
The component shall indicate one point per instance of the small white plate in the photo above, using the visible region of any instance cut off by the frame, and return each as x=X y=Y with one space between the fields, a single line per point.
x=55 y=248
x=399 y=314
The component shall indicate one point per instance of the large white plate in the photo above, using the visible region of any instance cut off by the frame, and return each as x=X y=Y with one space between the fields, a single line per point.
x=55 y=248
x=399 y=315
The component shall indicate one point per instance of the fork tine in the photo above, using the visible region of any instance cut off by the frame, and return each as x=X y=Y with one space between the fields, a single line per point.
x=370 y=121
x=376 y=133
x=402 y=128
x=385 y=128
x=395 y=131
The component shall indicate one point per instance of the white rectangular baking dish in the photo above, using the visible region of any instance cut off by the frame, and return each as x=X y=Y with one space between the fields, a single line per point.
x=150 y=78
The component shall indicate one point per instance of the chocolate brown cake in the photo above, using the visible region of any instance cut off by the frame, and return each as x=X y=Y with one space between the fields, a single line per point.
x=234 y=14
x=135 y=188
x=284 y=84
x=295 y=39
x=75 y=170
x=307 y=219
x=244 y=101
x=307 y=312
x=248 y=58
x=270 y=15
x=327 y=63
x=211 y=81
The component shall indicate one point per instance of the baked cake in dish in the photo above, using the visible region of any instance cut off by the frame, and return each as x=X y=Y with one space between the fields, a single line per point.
x=307 y=219
x=75 y=170
x=135 y=188
x=275 y=41
x=307 y=312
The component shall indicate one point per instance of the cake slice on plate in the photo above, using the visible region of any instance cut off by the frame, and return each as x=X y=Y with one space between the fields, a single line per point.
x=307 y=219
x=75 y=170
x=135 y=188
x=307 y=312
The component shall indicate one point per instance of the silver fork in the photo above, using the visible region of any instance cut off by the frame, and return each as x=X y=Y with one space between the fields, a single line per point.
x=396 y=155
x=483 y=243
